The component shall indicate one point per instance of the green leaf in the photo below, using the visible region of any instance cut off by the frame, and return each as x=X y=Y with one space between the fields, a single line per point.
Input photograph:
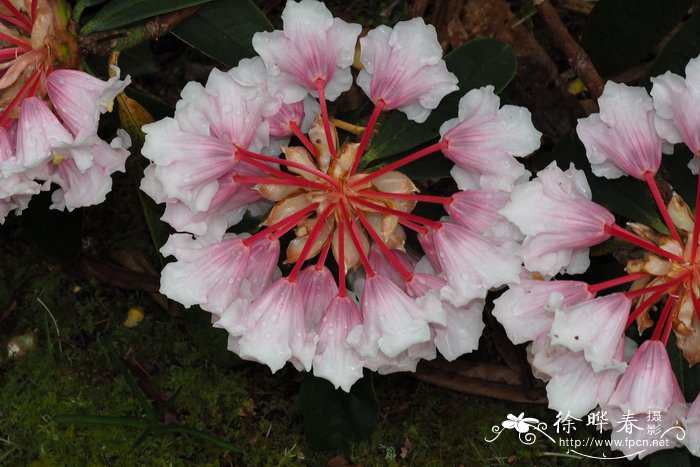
x=224 y=29
x=333 y=418
x=620 y=33
x=679 y=50
x=81 y=5
x=624 y=196
x=476 y=63
x=118 y=13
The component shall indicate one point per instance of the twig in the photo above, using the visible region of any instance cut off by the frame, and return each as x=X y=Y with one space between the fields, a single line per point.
x=104 y=42
x=58 y=333
x=578 y=59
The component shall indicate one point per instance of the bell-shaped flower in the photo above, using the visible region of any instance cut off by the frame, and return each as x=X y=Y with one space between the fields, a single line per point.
x=691 y=423
x=83 y=170
x=318 y=288
x=272 y=330
x=80 y=98
x=38 y=130
x=677 y=104
x=313 y=47
x=193 y=150
x=478 y=210
x=335 y=360
x=15 y=190
x=526 y=310
x=252 y=72
x=594 y=327
x=666 y=408
x=621 y=139
x=559 y=221
x=389 y=320
x=404 y=69
x=483 y=139
x=213 y=275
x=470 y=263
x=572 y=384
x=648 y=384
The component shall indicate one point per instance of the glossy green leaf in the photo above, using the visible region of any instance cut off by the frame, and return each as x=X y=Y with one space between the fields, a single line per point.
x=223 y=30
x=679 y=50
x=118 y=13
x=624 y=196
x=81 y=5
x=476 y=63
x=619 y=33
x=333 y=418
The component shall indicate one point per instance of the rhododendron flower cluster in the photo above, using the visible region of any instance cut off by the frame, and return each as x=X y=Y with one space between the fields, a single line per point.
x=349 y=295
x=577 y=330
x=49 y=112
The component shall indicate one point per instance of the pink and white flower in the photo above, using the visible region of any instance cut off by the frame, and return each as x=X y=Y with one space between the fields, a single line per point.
x=622 y=139
x=484 y=138
x=53 y=111
x=676 y=101
x=559 y=221
x=403 y=69
x=313 y=52
x=215 y=158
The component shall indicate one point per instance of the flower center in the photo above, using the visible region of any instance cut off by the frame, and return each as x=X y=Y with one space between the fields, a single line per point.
x=331 y=207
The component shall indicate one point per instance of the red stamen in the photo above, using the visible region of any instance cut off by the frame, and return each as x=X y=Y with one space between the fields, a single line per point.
x=324 y=253
x=29 y=86
x=19 y=23
x=595 y=288
x=302 y=137
x=19 y=42
x=424 y=198
x=696 y=226
x=616 y=230
x=244 y=153
x=355 y=237
x=268 y=168
x=296 y=181
x=284 y=225
x=378 y=107
x=341 y=260
x=649 y=177
x=11 y=53
x=321 y=90
x=415 y=227
x=313 y=235
x=385 y=249
x=401 y=162
x=654 y=288
x=16 y=13
x=644 y=306
x=405 y=215
x=661 y=323
x=35 y=6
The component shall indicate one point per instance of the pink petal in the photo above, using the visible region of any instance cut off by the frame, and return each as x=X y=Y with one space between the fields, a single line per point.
x=484 y=139
x=621 y=139
x=526 y=310
x=403 y=67
x=334 y=359
x=313 y=45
